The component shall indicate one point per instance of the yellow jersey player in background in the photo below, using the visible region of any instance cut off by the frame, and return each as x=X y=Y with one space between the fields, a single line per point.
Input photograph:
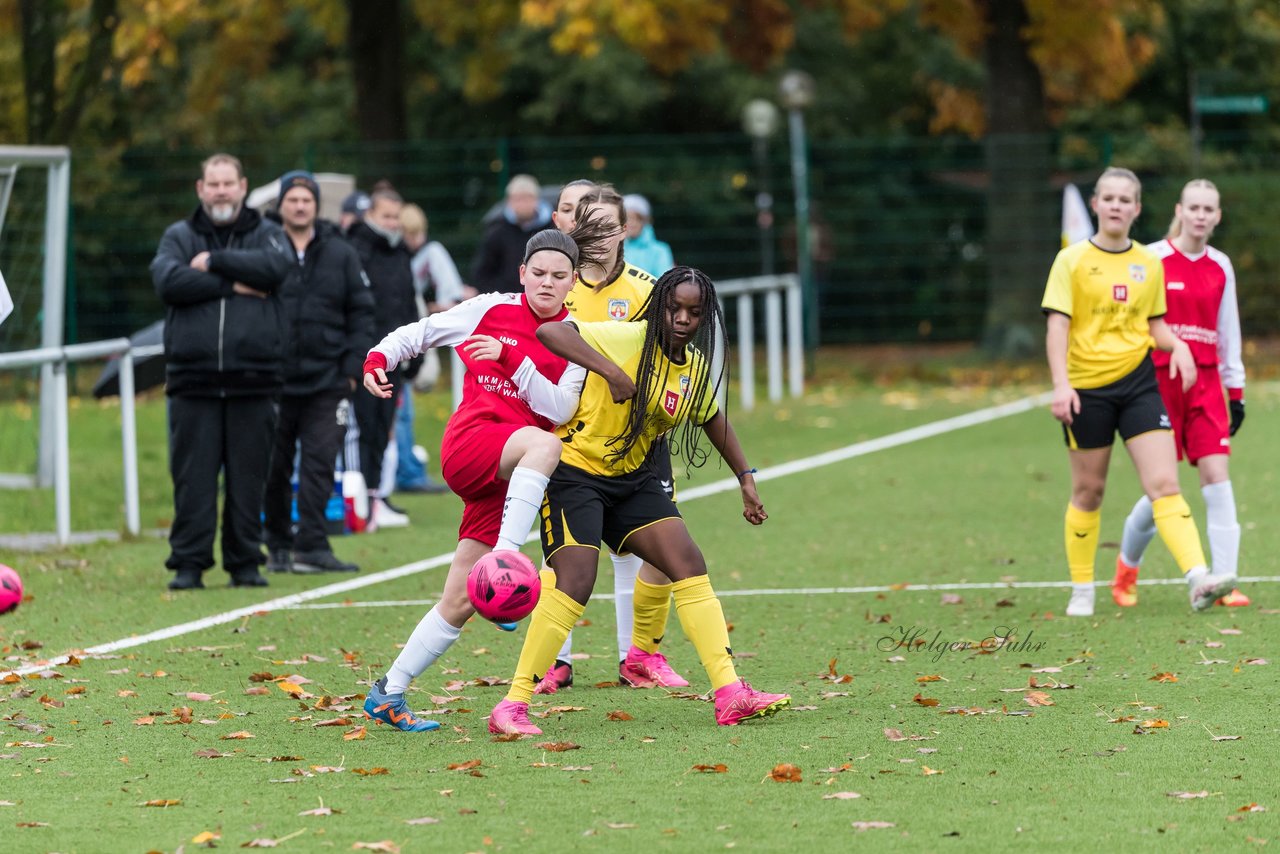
x=1105 y=304
x=604 y=490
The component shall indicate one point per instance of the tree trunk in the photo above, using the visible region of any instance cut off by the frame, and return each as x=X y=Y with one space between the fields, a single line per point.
x=375 y=38
x=1021 y=233
x=39 y=71
x=87 y=77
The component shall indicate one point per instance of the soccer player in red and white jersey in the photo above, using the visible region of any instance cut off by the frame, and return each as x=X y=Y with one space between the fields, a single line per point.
x=497 y=452
x=1200 y=286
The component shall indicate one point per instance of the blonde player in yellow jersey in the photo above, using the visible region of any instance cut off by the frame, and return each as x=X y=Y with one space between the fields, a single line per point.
x=613 y=290
x=604 y=489
x=1105 y=303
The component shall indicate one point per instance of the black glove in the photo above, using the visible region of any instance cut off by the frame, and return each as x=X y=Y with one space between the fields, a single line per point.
x=412 y=366
x=1237 y=414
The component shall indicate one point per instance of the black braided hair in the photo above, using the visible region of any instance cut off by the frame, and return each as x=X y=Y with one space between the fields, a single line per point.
x=650 y=379
x=605 y=194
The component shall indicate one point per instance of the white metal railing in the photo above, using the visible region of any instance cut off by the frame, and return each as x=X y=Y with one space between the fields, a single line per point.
x=53 y=363
x=775 y=289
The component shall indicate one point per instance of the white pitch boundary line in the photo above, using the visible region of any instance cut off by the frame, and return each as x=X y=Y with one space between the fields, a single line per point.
x=893 y=440
x=812 y=591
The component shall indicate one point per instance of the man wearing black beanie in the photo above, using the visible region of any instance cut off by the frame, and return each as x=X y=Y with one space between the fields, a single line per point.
x=328 y=312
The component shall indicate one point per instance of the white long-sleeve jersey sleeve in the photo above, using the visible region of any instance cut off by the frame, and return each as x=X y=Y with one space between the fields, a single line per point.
x=1230 y=362
x=554 y=401
x=445 y=329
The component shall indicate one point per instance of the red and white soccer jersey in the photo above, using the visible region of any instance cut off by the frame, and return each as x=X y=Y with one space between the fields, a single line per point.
x=1202 y=311
x=528 y=386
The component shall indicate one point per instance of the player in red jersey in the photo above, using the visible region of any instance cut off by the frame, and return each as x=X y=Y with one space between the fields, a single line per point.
x=498 y=451
x=1200 y=287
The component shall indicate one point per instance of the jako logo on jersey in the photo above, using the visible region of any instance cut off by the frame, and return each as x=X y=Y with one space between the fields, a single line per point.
x=1138 y=272
x=671 y=402
x=1175 y=286
x=684 y=384
x=1120 y=293
x=619 y=309
x=510 y=342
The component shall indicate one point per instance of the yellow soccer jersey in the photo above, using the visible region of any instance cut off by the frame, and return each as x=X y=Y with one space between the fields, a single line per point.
x=1110 y=298
x=622 y=299
x=599 y=419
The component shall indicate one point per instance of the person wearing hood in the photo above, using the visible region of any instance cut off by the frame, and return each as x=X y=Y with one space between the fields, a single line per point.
x=328 y=310
x=496 y=268
x=379 y=241
x=642 y=247
x=218 y=273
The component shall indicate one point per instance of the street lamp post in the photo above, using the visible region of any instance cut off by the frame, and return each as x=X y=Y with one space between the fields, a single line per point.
x=795 y=90
x=760 y=121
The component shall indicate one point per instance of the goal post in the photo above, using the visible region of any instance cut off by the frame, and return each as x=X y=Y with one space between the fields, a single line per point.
x=56 y=161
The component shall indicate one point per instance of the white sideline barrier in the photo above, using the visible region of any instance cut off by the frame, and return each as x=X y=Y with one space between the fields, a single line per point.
x=52 y=362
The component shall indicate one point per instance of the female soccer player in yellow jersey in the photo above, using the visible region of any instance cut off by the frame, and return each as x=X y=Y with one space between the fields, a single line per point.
x=603 y=489
x=1105 y=303
x=611 y=289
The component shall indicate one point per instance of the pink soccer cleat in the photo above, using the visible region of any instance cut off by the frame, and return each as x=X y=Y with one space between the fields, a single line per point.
x=642 y=669
x=738 y=702
x=512 y=717
x=559 y=676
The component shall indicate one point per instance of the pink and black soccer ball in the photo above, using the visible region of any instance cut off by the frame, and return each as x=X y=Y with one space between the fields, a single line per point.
x=504 y=586
x=10 y=589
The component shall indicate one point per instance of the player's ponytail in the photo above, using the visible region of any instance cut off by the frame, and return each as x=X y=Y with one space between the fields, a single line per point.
x=605 y=194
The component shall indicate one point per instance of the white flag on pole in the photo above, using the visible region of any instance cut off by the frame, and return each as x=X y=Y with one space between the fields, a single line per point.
x=6 y=301
x=1076 y=224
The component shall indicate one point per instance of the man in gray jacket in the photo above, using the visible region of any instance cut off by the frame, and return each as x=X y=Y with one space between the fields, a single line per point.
x=217 y=272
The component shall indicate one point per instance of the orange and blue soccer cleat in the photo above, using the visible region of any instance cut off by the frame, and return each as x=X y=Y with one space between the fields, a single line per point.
x=1235 y=599
x=392 y=709
x=1124 y=588
x=512 y=718
x=642 y=669
x=738 y=702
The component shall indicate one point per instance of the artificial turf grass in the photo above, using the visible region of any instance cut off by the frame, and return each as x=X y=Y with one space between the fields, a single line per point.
x=944 y=510
x=1045 y=765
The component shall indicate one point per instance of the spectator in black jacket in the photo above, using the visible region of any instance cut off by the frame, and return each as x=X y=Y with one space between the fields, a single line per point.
x=379 y=240
x=501 y=252
x=218 y=272
x=328 y=312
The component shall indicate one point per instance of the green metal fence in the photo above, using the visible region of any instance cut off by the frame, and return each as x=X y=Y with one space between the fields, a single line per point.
x=902 y=250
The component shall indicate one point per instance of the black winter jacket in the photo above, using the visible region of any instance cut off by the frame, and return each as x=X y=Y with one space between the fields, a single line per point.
x=218 y=343
x=390 y=279
x=328 y=309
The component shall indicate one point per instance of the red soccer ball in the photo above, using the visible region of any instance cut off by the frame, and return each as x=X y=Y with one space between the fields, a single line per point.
x=504 y=586
x=11 y=589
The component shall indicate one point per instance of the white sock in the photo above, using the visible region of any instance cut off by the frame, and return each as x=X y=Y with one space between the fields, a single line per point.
x=387 y=477
x=524 y=500
x=1139 y=528
x=430 y=639
x=566 y=652
x=1223 y=529
x=625 y=570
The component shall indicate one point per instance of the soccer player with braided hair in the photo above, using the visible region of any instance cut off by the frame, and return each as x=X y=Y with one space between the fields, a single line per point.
x=603 y=490
x=611 y=289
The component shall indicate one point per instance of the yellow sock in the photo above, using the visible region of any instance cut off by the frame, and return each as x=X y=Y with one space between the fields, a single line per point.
x=1179 y=531
x=650 y=611
x=549 y=625
x=703 y=622
x=1082 y=542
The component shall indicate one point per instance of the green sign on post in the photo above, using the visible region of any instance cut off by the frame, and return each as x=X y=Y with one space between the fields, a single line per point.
x=1226 y=104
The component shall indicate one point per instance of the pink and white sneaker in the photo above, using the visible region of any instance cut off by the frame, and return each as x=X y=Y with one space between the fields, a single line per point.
x=738 y=702
x=511 y=717
x=642 y=669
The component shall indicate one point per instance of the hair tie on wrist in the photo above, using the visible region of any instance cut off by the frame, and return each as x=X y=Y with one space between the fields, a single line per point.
x=746 y=472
